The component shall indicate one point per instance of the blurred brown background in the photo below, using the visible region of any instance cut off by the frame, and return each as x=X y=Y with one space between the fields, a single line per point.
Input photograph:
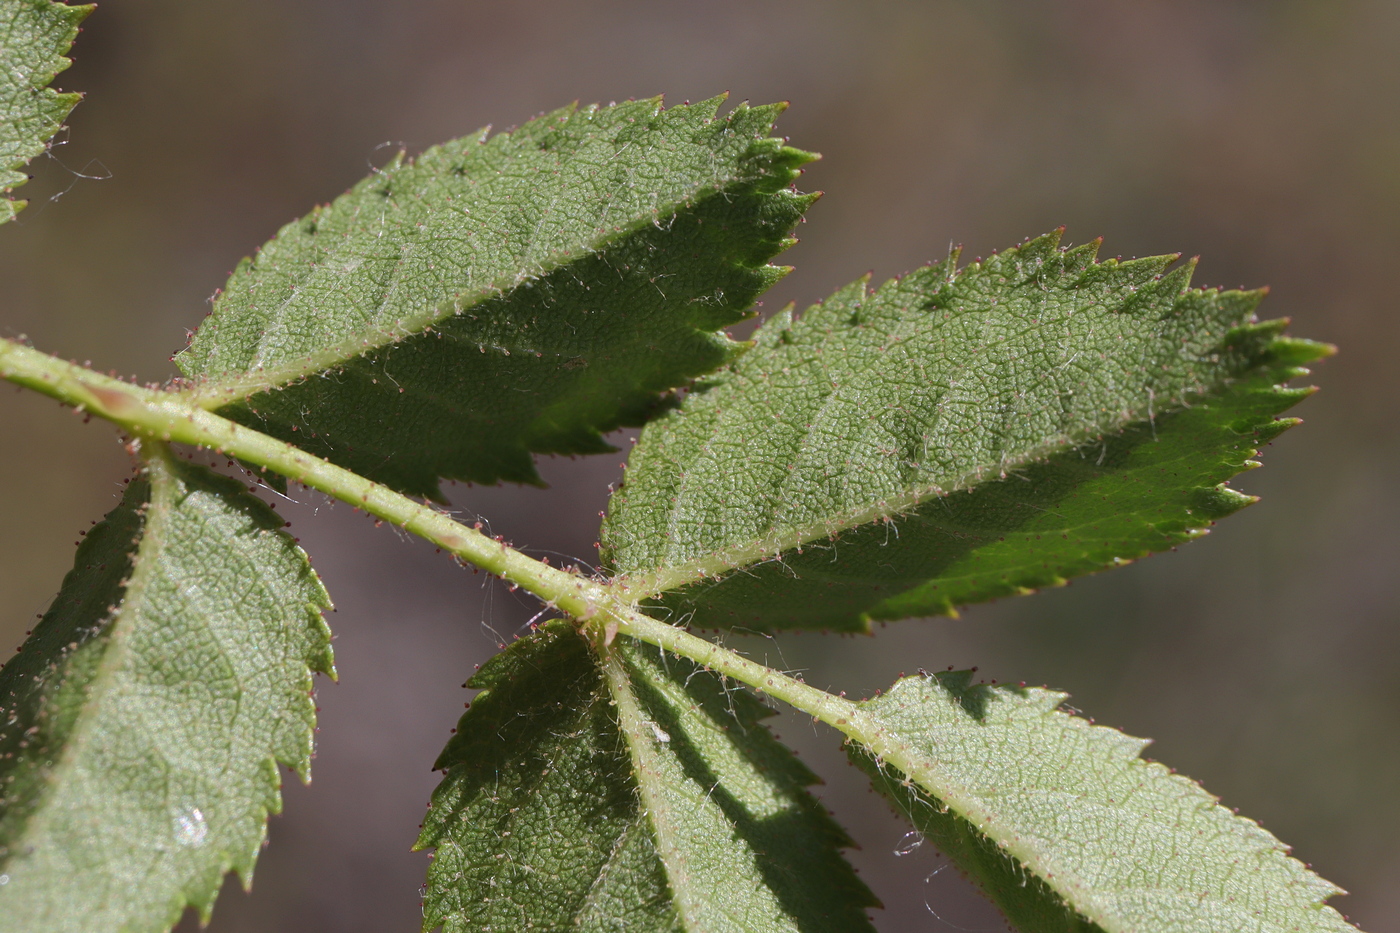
x=1264 y=136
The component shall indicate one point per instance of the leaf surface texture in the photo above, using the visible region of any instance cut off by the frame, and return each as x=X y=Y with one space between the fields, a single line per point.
x=1067 y=828
x=954 y=436
x=507 y=294
x=144 y=719
x=34 y=37
x=641 y=796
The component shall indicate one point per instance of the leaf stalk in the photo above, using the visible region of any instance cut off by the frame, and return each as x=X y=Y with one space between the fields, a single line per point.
x=603 y=610
x=170 y=417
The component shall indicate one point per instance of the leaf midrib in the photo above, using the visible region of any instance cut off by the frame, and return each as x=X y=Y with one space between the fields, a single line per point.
x=921 y=771
x=213 y=393
x=153 y=531
x=973 y=812
x=632 y=723
x=716 y=563
x=640 y=586
x=1092 y=901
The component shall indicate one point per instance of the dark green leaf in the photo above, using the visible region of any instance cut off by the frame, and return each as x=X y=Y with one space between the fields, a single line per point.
x=505 y=294
x=34 y=36
x=1068 y=829
x=144 y=719
x=646 y=797
x=953 y=437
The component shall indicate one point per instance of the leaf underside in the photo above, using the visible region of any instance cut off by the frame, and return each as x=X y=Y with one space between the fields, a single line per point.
x=34 y=37
x=1067 y=828
x=145 y=716
x=952 y=437
x=505 y=295
x=540 y=821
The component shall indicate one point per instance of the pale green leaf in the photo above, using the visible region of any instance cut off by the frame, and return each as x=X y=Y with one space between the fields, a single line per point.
x=144 y=719
x=952 y=437
x=1067 y=828
x=505 y=294
x=34 y=37
x=645 y=797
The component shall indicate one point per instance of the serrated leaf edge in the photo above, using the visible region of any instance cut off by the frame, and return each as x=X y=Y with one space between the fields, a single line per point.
x=1280 y=354
x=160 y=470
x=74 y=14
x=216 y=392
x=900 y=762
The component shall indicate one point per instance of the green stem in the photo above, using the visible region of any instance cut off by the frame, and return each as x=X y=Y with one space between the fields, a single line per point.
x=168 y=417
x=603 y=610
x=848 y=718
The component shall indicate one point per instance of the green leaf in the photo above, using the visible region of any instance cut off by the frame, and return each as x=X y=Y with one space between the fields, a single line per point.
x=506 y=294
x=952 y=437
x=34 y=35
x=1067 y=828
x=644 y=796
x=145 y=717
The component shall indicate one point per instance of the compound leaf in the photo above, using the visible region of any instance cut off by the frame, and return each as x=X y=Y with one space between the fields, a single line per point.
x=145 y=716
x=505 y=294
x=34 y=36
x=641 y=796
x=1068 y=829
x=953 y=436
